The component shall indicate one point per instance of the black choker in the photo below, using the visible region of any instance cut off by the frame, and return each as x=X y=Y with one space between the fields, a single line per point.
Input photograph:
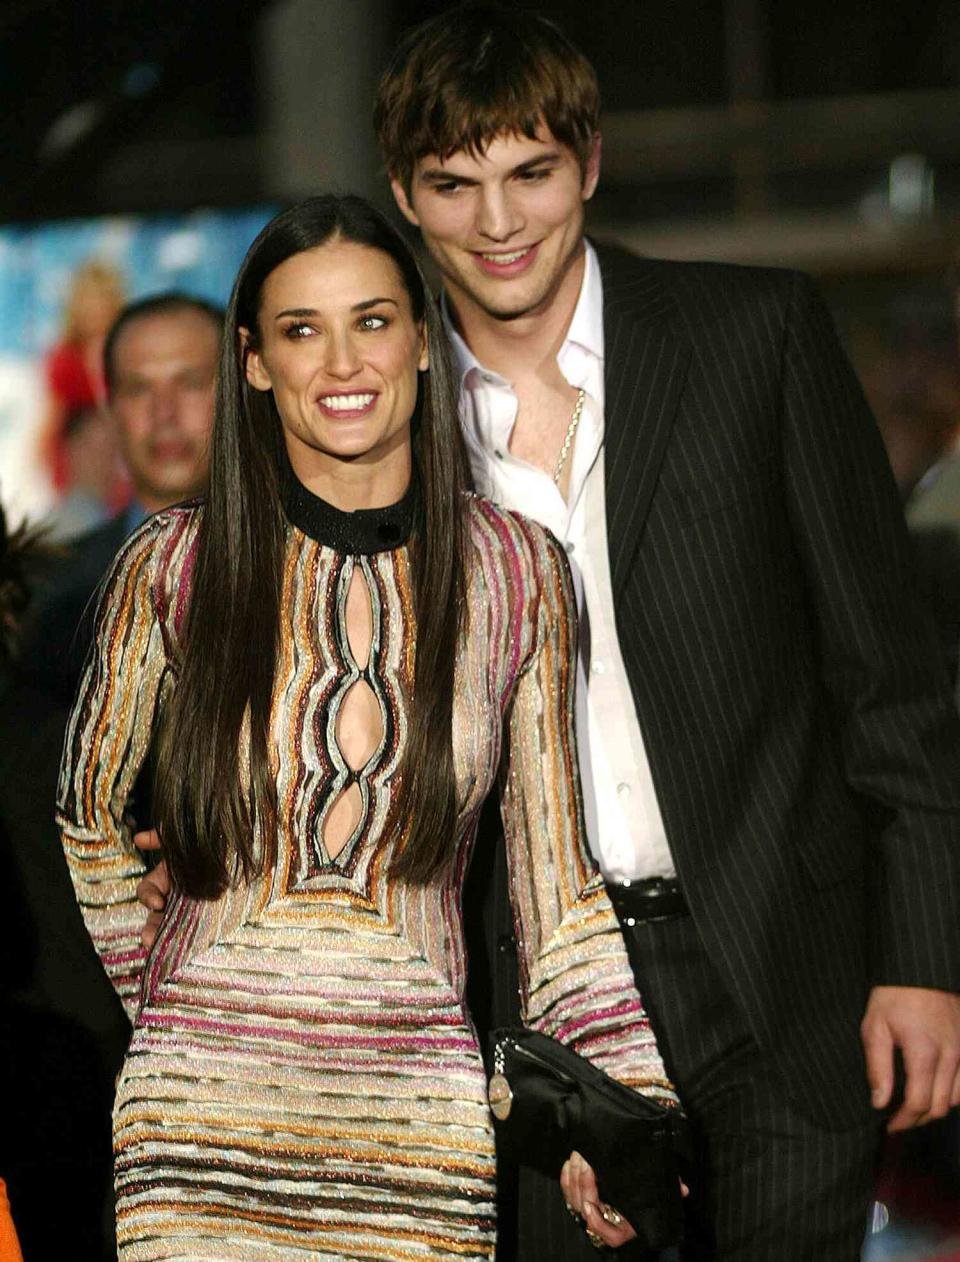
x=361 y=533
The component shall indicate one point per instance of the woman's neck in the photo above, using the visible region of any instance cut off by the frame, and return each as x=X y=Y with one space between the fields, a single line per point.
x=352 y=485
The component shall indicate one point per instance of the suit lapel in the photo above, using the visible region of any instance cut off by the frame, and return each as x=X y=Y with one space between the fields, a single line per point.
x=645 y=365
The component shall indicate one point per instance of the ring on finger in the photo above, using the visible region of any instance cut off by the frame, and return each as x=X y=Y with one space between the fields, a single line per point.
x=596 y=1240
x=572 y=1212
x=610 y=1215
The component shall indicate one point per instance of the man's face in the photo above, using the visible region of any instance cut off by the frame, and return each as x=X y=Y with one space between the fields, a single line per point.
x=162 y=402
x=505 y=227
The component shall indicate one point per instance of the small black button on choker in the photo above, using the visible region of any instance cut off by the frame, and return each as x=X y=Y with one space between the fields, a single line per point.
x=360 y=533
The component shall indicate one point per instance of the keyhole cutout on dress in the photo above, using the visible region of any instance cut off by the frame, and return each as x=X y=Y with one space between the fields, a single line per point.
x=359 y=726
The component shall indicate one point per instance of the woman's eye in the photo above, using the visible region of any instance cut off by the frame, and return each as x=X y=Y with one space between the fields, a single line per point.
x=296 y=331
x=373 y=322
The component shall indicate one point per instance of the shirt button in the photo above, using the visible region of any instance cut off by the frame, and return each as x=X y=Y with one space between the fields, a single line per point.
x=570 y=547
x=498 y=454
x=631 y=921
x=623 y=789
x=597 y=668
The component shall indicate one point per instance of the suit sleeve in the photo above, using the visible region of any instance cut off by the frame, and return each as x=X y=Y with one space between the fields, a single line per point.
x=880 y=661
x=575 y=979
x=106 y=743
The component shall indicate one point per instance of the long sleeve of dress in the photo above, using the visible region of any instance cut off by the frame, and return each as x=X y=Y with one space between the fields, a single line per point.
x=575 y=978
x=107 y=740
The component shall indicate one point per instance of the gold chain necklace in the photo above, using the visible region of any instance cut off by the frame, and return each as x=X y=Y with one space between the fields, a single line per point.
x=568 y=437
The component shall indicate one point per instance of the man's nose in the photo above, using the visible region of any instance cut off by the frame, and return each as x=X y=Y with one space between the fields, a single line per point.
x=163 y=404
x=498 y=218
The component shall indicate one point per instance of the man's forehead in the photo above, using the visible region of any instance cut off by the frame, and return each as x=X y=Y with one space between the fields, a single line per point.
x=506 y=148
x=163 y=335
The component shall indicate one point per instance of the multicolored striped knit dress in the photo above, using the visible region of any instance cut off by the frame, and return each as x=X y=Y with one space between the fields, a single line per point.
x=303 y=1080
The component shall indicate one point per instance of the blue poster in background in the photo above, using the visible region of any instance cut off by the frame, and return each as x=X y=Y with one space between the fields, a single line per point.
x=198 y=252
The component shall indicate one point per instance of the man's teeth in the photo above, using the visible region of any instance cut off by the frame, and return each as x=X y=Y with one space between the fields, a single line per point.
x=347 y=402
x=504 y=259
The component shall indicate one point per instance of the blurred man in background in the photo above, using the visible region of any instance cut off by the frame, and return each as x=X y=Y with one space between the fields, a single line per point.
x=160 y=361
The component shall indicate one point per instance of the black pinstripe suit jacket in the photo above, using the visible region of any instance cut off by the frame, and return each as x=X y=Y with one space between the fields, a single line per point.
x=802 y=740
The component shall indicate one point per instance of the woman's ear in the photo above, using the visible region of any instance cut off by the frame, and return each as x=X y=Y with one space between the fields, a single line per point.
x=424 y=361
x=253 y=367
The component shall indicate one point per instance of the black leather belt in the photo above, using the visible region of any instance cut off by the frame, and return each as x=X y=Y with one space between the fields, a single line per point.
x=653 y=898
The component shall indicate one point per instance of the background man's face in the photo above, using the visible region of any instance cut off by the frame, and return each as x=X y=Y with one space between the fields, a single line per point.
x=504 y=227
x=162 y=402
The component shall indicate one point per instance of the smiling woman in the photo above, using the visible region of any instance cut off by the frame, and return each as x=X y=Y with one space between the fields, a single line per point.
x=339 y=346
x=335 y=653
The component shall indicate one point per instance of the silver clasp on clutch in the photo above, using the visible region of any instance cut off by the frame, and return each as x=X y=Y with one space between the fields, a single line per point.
x=499 y=1092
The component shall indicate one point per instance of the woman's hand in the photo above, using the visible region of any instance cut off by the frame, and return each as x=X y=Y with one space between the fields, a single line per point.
x=604 y=1225
x=153 y=890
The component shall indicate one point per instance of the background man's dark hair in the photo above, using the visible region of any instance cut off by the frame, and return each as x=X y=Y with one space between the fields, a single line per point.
x=475 y=72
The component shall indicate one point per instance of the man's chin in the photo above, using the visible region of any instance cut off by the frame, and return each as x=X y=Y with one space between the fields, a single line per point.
x=509 y=307
x=175 y=492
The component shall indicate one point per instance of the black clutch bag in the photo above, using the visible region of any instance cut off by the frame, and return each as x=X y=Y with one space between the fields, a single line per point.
x=547 y=1102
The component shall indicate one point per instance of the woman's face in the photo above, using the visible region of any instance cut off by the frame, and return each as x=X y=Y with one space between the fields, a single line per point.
x=339 y=347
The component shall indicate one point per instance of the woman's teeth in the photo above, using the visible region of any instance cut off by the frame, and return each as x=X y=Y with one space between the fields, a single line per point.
x=347 y=402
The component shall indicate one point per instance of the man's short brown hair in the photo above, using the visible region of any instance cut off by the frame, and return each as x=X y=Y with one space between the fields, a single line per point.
x=476 y=72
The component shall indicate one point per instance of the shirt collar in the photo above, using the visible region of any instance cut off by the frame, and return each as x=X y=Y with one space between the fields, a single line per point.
x=586 y=327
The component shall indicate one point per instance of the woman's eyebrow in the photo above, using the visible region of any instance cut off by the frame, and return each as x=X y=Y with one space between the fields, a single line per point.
x=304 y=312
x=372 y=302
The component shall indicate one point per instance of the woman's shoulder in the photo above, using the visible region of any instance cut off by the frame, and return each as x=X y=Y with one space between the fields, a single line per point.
x=516 y=536
x=160 y=549
x=165 y=529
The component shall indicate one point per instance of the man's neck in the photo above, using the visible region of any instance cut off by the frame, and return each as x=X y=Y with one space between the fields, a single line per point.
x=522 y=346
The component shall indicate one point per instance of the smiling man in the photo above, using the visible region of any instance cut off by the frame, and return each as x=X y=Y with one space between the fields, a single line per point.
x=771 y=760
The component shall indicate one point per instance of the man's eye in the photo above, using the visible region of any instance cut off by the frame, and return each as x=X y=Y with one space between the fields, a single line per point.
x=534 y=177
x=448 y=186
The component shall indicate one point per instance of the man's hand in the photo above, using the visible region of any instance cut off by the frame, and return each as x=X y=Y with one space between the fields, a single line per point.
x=925 y=1025
x=153 y=890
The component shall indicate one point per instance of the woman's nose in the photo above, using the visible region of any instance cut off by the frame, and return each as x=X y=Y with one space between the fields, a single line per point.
x=343 y=359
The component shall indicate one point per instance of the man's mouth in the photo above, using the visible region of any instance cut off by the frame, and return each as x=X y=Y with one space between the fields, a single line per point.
x=166 y=452
x=506 y=262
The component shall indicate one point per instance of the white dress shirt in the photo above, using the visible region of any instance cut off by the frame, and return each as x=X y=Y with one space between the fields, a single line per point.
x=624 y=824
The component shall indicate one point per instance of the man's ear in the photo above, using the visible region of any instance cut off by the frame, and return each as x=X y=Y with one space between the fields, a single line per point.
x=591 y=173
x=403 y=203
x=253 y=367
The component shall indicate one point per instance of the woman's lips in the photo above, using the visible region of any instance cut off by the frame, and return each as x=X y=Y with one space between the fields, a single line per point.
x=342 y=407
x=507 y=262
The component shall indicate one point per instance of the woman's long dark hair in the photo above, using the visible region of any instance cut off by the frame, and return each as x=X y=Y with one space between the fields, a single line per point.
x=215 y=783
